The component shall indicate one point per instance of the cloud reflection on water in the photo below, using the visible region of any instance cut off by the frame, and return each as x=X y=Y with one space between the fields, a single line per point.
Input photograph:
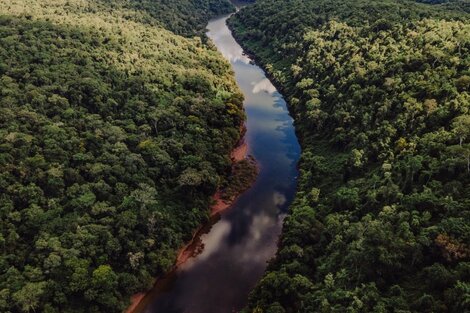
x=212 y=242
x=227 y=44
x=263 y=85
x=238 y=246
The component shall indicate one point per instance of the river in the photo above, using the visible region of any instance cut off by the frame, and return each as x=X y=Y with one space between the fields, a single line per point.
x=238 y=246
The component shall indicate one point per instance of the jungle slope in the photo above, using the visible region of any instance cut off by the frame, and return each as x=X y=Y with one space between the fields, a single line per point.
x=114 y=134
x=379 y=91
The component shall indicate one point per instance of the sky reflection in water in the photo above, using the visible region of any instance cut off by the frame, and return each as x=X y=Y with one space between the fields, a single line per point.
x=238 y=246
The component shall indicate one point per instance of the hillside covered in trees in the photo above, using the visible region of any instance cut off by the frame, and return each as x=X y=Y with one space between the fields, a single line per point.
x=380 y=94
x=114 y=134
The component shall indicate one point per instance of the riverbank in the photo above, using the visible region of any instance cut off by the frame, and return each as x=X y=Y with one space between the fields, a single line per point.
x=245 y=169
x=221 y=202
x=233 y=251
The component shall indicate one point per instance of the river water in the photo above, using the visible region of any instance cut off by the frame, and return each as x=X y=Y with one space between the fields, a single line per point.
x=237 y=247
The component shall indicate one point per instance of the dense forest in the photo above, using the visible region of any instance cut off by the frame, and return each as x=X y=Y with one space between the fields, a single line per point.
x=379 y=90
x=114 y=134
x=183 y=17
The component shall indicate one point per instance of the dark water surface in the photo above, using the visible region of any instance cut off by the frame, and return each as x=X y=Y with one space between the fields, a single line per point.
x=238 y=246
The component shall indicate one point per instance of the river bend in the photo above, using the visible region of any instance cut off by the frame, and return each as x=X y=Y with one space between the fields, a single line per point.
x=237 y=247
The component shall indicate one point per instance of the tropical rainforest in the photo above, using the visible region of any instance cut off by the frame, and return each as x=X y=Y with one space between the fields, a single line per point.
x=380 y=92
x=116 y=126
x=117 y=118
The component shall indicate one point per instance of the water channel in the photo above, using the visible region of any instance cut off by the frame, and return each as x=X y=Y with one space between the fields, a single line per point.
x=238 y=246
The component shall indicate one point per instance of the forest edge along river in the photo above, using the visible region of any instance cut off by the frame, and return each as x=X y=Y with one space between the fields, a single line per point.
x=229 y=254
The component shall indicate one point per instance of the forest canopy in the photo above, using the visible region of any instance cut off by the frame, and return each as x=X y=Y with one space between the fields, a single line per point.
x=114 y=133
x=379 y=91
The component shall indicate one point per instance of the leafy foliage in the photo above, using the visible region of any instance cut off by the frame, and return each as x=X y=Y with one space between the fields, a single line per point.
x=380 y=94
x=184 y=17
x=114 y=133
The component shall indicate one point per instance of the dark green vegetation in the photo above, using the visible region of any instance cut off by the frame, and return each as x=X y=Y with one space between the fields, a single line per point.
x=184 y=17
x=243 y=175
x=114 y=134
x=380 y=94
x=463 y=5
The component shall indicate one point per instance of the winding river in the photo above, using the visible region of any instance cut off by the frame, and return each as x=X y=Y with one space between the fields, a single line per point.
x=238 y=246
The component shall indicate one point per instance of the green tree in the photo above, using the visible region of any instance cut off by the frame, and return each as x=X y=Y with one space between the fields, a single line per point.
x=28 y=298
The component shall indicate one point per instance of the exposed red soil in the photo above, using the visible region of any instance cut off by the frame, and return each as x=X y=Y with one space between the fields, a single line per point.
x=238 y=154
x=194 y=247
x=135 y=300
